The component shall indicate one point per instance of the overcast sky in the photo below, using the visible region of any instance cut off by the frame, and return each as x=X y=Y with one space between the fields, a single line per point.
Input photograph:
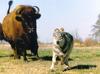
x=73 y=15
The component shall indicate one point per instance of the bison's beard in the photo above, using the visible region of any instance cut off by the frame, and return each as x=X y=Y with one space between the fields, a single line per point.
x=29 y=39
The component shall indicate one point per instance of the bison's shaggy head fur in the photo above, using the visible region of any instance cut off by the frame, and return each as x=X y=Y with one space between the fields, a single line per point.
x=21 y=20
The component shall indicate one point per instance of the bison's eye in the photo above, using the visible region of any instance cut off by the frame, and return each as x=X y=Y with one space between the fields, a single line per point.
x=18 y=18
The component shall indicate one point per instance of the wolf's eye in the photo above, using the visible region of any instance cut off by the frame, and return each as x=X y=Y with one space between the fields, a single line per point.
x=57 y=42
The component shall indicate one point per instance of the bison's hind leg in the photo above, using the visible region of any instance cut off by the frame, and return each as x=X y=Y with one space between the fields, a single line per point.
x=22 y=52
x=15 y=54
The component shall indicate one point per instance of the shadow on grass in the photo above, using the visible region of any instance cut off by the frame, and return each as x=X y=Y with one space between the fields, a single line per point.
x=46 y=58
x=83 y=67
x=2 y=56
x=12 y=55
x=49 y=58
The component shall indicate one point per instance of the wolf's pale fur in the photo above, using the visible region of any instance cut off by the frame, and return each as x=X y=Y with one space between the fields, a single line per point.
x=61 y=48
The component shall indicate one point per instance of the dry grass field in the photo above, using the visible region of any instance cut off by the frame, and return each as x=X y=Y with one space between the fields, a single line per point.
x=84 y=60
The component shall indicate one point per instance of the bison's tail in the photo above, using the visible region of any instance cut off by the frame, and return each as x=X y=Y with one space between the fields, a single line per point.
x=10 y=3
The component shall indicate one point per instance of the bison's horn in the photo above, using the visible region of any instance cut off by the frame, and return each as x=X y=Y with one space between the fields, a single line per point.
x=18 y=11
x=36 y=8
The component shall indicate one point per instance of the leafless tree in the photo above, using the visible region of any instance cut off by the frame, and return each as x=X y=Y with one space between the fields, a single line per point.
x=96 y=29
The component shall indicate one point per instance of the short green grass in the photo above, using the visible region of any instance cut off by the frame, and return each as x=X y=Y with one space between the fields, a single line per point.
x=82 y=61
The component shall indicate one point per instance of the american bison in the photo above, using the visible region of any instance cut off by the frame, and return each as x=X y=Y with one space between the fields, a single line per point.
x=62 y=46
x=20 y=30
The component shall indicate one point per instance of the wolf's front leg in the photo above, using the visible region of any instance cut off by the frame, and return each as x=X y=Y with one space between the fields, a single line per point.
x=53 y=61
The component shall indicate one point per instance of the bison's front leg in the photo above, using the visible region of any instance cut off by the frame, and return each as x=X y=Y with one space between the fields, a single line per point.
x=53 y=61
x=34 y=49
x=24 y=55
x=15 y=51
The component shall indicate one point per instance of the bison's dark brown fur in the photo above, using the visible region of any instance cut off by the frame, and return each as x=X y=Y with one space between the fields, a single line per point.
x=1 y=32
x=19 y=29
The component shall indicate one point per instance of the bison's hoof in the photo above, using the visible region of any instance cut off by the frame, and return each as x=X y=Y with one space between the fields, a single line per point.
x=37 y=57
x=17 y=57
x=12 y=55
x=26 y=61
